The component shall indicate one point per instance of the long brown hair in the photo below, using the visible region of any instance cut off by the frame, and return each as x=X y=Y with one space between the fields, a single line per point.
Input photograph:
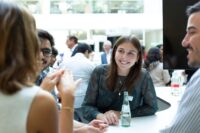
x=135 y=69
x=19 y=48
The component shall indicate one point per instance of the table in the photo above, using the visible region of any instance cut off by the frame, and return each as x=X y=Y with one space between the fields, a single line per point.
x=152 y=124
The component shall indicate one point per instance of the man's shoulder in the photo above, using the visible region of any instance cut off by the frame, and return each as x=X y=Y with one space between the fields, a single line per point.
x=195 y=76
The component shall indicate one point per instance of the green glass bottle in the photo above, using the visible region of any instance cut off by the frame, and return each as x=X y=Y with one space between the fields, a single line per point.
x=125 y=111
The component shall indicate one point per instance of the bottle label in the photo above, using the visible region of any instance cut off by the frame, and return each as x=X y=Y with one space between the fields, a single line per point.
x=175 y=85
x=175 y=89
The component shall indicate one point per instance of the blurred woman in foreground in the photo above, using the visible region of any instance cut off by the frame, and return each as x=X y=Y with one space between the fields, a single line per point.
x=24 y=107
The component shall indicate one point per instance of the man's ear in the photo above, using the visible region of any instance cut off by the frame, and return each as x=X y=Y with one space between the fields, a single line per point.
x=86 y=54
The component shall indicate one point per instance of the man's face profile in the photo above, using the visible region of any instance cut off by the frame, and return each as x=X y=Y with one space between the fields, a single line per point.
x=191 y=40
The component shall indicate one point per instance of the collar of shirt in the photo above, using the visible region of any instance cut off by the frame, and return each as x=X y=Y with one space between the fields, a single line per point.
x=74 y=47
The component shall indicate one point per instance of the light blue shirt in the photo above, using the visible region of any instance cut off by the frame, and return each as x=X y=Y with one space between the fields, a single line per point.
x=187 y=118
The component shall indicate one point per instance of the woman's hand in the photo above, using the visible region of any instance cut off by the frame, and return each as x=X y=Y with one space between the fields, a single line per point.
x=88 y=129
x=50 y=81
x=111 y=117
x=99 y=124
x=66 y=86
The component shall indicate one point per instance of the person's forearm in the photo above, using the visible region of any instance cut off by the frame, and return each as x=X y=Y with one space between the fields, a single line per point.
x=77 y=130
x=66 y=121
x=67 y=115
x=78 y=124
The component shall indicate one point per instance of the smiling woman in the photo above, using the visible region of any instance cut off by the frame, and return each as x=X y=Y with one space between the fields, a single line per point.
x=104 y=89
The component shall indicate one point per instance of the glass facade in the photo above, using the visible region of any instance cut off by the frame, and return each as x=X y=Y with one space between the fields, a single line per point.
x=94 y=21
x=86 y=6
x=33 y=5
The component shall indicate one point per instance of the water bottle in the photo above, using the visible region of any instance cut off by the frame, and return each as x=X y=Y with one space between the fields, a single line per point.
x=125 y=111
x=176 y=83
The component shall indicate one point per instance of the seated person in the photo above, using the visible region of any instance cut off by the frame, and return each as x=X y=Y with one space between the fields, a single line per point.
x=152 y=63
x=81 y=68
x=104 y=97
x=50 y=80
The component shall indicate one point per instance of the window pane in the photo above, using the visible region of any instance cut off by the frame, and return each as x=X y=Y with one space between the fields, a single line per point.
x=96 y=6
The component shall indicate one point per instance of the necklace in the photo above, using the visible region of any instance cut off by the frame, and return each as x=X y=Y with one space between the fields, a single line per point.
x=120 y=87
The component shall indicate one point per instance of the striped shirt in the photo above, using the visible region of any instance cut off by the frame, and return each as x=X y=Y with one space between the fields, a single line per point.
x=187 y=119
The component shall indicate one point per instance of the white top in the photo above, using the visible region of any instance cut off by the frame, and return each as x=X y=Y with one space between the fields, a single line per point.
x=73 y=48
x=159 y=76
x=65 y=56
x=14 y=110
x=108 y=56
x=81 y=67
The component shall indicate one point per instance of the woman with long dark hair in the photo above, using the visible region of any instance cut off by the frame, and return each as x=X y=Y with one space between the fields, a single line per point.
x=104 y=97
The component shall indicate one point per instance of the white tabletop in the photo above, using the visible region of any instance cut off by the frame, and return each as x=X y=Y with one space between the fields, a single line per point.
x=152 y=124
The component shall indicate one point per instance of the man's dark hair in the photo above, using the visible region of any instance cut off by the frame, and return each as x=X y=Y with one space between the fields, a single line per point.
x=82 y=48
x=42 y=34
x=159 y=46
x=194 y=8
x=74 y=38
x=153 y=55
x=54 y=51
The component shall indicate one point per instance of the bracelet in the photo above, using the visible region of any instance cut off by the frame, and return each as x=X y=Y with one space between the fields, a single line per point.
x=71 y=109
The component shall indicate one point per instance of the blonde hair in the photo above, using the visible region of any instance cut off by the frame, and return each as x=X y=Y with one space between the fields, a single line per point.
x=19 y=48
